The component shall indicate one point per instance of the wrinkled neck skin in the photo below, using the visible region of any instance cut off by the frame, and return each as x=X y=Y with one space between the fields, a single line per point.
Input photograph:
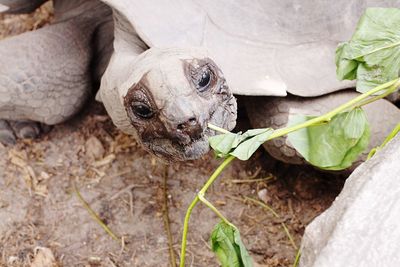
x=165 y=81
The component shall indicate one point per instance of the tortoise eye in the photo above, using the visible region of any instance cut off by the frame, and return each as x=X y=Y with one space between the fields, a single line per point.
x=203 y=79
x=142 y=110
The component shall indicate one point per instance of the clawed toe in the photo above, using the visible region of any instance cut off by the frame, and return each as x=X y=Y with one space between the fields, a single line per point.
x=10 y=131
x=7 y=135
x=26 y=129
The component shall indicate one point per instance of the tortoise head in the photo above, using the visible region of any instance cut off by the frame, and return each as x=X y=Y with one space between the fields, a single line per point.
x=175 y=95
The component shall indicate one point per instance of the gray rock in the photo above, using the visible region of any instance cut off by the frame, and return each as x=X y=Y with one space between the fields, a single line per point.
x=361 y=228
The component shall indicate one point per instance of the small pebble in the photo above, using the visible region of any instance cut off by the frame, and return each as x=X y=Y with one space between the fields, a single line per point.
x=94 y=148
x=263 y=196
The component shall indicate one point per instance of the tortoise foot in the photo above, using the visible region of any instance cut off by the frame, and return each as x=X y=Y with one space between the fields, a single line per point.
x=7 y=136
x=11 y=131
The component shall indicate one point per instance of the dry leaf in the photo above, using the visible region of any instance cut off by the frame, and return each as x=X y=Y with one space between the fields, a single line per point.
x=44 y=258
x=94 y=148
x=105 y=161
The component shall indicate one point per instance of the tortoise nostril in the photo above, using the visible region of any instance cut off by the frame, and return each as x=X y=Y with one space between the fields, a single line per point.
x=192 y=121
x=191 y=127
x=181 y=126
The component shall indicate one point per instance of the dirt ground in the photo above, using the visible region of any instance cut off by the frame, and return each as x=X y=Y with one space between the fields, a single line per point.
x=40 y=211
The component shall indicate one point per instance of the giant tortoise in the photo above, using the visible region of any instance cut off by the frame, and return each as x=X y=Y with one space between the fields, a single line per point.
x=167 y=68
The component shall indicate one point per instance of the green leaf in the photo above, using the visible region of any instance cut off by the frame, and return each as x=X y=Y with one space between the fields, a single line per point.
x=229 y=248
x=248 y=147
x=239 y=145
x=346 y=69
x=224 y=143
x=334 y=145
x=372 y=56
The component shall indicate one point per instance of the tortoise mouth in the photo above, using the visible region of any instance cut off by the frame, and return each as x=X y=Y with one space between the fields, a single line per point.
x=222 y=114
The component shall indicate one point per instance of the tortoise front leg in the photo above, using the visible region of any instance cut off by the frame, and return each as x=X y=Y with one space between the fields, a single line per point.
x=44 y=76
x=11 y=130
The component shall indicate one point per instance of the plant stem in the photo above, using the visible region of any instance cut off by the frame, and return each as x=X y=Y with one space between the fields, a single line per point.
x=297 y=259
x=392 y=134
x=328 y=116
x=394 y=84
x=185 y=230
x=265 y=206
x=94 y=214
x=373 y=99
x=167 y=224
x=214 y=209
x=277 y=133
x=217 y=129
x=212 y=178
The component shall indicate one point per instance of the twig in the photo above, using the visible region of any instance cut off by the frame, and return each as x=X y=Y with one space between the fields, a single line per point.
x=111 y=262
x=297 y=259
x=255 y=174
x=265 y=206
x=167 y=225
x=93 y=214
x=115 y=175
x=126 y=189
x=243 y=181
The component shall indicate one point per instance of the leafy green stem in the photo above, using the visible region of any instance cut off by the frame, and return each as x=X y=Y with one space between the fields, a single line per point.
x=328 y=116
x=214 y=209
x=185 y=230
x=375 y=98
x=215 y=175
x=387 y=139
x=277 y=133
x=209 y=182
x=391 y=135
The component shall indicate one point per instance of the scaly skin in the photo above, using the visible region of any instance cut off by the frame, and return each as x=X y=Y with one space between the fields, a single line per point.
x=46 y=75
